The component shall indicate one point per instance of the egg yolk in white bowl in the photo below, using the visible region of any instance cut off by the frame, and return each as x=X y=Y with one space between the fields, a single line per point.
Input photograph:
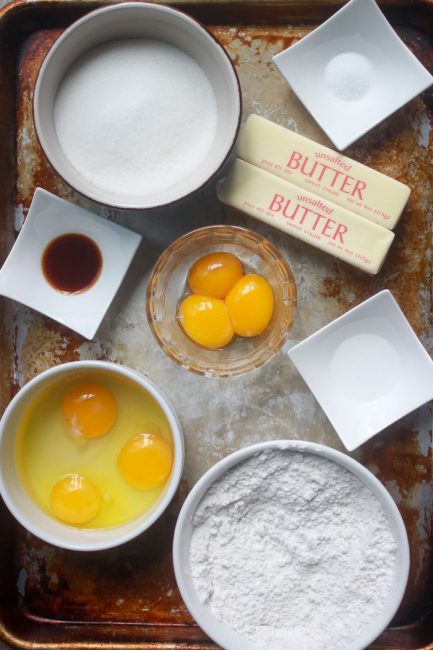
x=89 y=410
x=94 y=451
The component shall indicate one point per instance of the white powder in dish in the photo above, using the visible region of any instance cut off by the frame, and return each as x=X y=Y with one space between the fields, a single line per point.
x=136 y=116
x=292 y=551
x=350 y=76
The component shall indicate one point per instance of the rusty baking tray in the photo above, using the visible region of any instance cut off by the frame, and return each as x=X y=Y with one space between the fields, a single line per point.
x=127 y=597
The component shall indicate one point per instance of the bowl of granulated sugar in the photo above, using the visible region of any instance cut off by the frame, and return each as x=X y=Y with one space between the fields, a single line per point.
x=291 y=545
x=137 y=105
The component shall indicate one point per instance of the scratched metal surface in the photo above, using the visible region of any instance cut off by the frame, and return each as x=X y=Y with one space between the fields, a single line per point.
x=128 y=596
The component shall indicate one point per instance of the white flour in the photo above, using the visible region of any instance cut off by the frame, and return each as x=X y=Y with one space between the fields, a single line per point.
x=135 y=116
x=292 y=551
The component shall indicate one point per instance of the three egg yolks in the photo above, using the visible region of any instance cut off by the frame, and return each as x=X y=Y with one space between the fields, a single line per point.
x=224 y=302
x=144 y=462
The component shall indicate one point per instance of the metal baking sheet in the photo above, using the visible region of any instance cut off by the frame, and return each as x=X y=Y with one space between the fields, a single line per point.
x=127 y=597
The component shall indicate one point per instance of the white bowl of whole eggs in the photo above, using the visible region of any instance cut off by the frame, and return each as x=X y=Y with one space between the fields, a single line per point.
x=291 y=545
x=71 y=442
x=136 y=105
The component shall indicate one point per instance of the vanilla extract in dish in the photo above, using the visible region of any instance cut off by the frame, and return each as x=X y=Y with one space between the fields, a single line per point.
x=72 y=263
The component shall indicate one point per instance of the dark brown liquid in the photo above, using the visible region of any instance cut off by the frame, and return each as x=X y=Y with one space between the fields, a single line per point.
x=72 y=263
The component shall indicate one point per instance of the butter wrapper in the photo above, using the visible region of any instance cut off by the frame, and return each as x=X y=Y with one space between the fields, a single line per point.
x=324 y=172
x=300 y=213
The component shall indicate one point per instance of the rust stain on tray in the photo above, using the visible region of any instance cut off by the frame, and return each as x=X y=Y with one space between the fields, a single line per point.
x=35 y=171
x=401 y=156
x=407 y=474
x=133 y=586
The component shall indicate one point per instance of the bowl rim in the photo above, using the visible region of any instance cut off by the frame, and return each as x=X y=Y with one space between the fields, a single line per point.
x=182 y=538
x=120 y=6
x=166 y=253
x=100 y=543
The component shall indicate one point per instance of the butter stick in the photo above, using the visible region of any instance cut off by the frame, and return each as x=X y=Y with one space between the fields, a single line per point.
x=299 y=213
x=322 y=171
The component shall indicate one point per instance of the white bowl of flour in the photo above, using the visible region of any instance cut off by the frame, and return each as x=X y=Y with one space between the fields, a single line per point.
x=291 y=545
x=136 y=105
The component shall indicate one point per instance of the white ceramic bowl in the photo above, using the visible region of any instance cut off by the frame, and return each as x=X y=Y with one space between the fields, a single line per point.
x=28 y=513
x=353 y=63
x=221 y=633
x=148 y=21
x=367 y=369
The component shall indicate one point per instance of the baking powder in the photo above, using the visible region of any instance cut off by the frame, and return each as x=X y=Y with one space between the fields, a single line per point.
x=292 y=551
x=136 y=116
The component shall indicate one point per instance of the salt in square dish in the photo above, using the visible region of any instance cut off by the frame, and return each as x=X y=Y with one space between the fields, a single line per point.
x=22 y=277
x=352 y=72
x=367 y=369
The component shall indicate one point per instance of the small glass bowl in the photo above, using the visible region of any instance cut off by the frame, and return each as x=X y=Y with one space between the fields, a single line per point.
x=168 y=285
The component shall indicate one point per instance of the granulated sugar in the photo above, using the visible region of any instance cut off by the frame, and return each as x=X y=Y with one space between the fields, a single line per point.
x=293 y=552
x=136 y=116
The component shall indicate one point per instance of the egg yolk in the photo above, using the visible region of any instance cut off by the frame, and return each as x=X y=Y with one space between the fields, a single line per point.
x=250 y=304
x=89 y=410
x=214 y=275
x=206 y=321
x=145 y=461
x=74 y=499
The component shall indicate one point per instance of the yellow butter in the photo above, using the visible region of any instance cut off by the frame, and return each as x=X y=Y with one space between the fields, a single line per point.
x=322 y=171
x=297 y=212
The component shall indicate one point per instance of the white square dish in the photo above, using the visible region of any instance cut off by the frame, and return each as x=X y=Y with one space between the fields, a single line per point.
x=367 y=369
x=22 y=277
x=352 y=72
